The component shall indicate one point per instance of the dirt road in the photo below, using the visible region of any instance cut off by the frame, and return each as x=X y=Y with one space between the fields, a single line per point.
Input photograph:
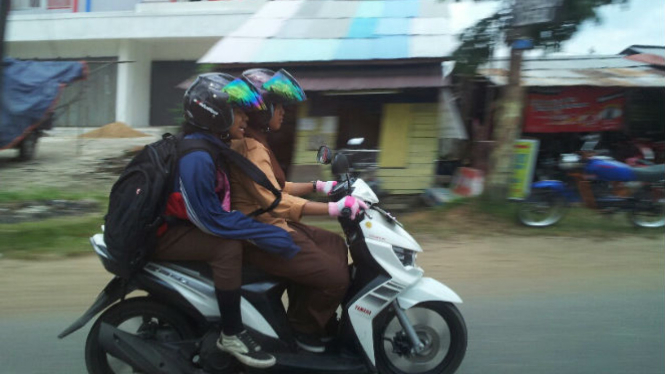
x=491 y=267
x=65 y=161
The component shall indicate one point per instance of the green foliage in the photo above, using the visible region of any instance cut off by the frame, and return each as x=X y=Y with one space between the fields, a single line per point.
x=478 y=40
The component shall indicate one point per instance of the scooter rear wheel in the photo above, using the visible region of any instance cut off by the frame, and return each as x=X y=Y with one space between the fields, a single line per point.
x=441 y=329
x=140 y=316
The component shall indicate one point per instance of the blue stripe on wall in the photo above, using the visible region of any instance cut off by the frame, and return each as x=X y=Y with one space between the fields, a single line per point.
x=362 y=28
x=401 y=9
x=87 y=5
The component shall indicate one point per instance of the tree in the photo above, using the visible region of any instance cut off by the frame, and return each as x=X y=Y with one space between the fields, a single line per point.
x=476 y=48
x=478 y=40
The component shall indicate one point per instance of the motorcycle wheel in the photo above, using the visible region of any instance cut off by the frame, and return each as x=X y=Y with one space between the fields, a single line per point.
x=133 y=316
x=649 y=210
x=541 y=209
x=440 y=327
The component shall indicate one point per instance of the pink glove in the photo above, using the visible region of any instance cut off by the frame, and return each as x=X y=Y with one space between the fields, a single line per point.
x=350 y=202
x=325 y=187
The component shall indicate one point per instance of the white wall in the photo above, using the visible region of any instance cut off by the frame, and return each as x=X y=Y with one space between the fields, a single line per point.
x=133 y=88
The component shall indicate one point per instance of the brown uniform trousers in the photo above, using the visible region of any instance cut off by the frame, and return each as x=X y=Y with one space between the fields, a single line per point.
x=319 y=273
x=187 y=242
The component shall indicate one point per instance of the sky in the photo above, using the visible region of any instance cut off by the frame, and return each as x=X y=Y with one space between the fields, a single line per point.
x=638 y=22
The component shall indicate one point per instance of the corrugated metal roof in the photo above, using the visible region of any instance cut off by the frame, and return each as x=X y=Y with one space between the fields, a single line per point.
x=608 y=71
x=329 y=30
x=647 y=49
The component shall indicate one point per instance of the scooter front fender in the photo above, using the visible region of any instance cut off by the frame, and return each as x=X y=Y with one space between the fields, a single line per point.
x=114 y=291
x=427 y=289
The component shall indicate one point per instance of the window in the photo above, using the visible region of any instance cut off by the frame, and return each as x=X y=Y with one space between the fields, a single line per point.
x=26 y=4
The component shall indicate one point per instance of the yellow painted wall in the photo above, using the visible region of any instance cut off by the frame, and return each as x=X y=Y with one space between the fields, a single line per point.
x=408 y=156
x=408 y=142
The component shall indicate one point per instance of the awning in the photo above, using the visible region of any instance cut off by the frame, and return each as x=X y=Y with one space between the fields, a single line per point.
x=370 y=78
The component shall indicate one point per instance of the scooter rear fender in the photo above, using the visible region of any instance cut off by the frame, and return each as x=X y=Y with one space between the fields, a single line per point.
x=427 y=289
x=114 y=291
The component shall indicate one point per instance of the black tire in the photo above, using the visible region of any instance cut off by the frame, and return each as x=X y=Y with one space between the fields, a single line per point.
x=28 y=147
x=96 y=359
x=649 y=209
x=436 y=358
x=542 y=208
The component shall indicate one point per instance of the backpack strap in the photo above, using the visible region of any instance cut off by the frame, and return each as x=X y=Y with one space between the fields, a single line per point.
x=186 y=146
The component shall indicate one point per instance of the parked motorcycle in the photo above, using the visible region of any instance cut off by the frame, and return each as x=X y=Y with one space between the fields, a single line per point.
x=600 y=183
x=393 y=319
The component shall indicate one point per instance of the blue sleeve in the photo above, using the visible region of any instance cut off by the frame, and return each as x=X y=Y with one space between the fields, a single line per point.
x=197 y=179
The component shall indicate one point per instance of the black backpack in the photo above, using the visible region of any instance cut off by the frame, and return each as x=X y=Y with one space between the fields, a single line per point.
x=138 y=198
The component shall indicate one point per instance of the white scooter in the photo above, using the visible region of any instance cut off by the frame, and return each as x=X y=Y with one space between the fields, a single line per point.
x=393 y=320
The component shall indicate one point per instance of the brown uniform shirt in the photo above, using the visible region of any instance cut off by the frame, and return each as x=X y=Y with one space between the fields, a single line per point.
x=247 y=195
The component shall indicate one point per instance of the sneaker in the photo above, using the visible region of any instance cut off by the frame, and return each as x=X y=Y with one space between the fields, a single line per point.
x=311 y=343
x=245 y=350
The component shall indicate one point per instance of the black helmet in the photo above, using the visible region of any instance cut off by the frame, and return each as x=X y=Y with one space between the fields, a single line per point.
x=275 y=88
x=210 y=100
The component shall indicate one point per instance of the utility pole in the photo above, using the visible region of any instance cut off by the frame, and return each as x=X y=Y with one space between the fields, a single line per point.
x=508 y=117
x=4 y=11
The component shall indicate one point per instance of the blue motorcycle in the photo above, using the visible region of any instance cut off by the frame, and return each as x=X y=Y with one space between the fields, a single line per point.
x=600 y=183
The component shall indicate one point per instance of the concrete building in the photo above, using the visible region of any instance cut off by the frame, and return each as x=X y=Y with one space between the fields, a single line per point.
x=134 y=48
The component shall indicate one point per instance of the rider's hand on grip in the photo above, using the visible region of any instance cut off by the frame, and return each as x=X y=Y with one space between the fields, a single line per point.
x=325 y=187
x=348 y=206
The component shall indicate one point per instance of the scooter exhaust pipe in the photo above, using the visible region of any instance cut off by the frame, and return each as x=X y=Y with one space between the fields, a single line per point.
x=148 y=357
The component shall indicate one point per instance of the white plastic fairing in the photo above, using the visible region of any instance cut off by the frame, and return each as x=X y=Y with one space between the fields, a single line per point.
x=427 y=289
x=252 y=318
x=363 y=192
x=376 y=226
x=200 y=292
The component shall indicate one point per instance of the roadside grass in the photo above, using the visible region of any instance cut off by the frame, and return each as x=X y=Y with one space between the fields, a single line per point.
x=479 y=217
x=68 y=236
x=59 y=237
x=54 y=237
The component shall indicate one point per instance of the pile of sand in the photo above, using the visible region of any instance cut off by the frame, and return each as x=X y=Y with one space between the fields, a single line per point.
x=114 y=130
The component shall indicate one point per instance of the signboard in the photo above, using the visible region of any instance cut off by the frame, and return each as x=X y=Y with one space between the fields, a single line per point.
x=59 y=4
x=530 y=12
x=574 y=109
x=525 y=155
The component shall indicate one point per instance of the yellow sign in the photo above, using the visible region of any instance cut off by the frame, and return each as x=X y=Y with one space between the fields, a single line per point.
x=524 y=164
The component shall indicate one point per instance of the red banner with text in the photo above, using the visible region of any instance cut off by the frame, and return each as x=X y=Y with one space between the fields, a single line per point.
x=574 y=109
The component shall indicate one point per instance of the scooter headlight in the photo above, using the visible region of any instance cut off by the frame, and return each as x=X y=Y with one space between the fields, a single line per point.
x=406 y=256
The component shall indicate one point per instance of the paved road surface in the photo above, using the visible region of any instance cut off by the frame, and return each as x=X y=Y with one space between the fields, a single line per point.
x=567 y=306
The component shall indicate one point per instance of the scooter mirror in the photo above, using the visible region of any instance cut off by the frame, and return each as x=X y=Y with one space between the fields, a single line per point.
x=324 y=156
x=340 y=164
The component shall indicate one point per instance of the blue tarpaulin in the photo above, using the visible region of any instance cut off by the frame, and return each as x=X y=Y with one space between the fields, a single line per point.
x=30 y=90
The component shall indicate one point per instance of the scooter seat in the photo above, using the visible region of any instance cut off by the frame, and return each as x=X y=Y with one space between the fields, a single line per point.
x=653 y=173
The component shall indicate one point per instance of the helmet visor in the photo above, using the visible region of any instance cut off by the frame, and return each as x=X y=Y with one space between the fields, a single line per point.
x=243 y=95
x=282 y=88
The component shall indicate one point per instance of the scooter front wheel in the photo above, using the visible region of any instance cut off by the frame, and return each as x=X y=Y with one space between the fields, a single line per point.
x=441 y=329
x=141 y=316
